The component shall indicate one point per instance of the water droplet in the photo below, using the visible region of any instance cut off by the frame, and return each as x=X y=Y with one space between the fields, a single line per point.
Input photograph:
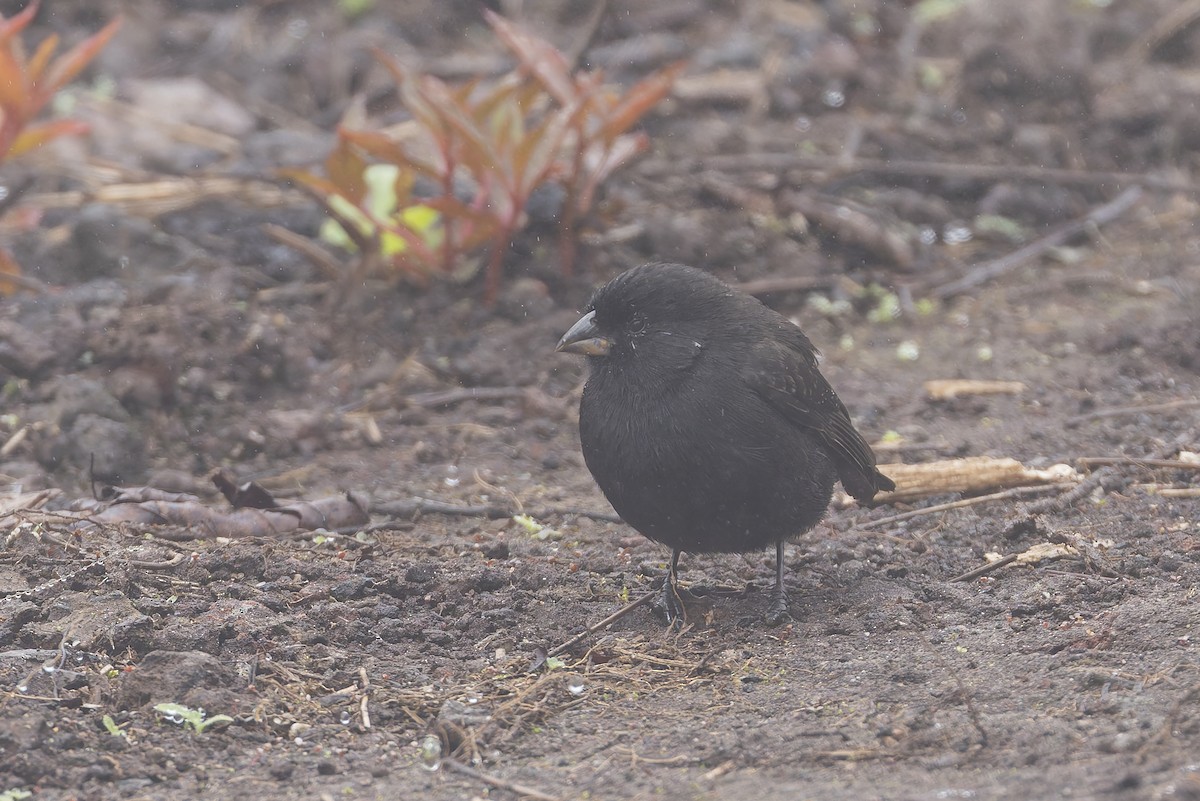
x=48 y=668
x=345 y=718
x=833 y=97
x=22 y=688
x=431 y=751
x=956 y=233
x=928 y=235
x=297 y=28
x=802 y=124
x=959 y=117
x=576 y=687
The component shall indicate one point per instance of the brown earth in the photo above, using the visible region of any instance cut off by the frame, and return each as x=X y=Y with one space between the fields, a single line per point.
x=171 y=344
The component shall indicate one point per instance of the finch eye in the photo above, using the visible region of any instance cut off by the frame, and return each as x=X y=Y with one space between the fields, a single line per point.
x=637 y=325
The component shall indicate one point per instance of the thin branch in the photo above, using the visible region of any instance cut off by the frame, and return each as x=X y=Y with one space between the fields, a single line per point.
x=165 y=564
x=322 y=259
x=1133 y=461
x=1123 y=411
x=418 y=506
x=1015 y=492
x=608 y=621
x=782 y=162
x=993 y=269
x=985 y=569
x=496 y=781
x=450 y=397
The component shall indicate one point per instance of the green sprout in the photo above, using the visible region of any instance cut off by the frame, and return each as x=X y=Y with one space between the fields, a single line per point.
x=1000 y=227
x=382 y=202
x=536 y=529
x=908 y=351
x=887 y=304
x=112 y=728
x=186 y=716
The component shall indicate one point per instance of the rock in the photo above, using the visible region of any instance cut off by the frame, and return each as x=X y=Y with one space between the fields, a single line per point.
x=111 y=449
x=173 y=677
x=107 y=622
x=77 y=396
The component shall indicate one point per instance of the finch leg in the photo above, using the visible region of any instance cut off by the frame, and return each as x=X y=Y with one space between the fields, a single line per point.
x=671 y=601
x=778 y=611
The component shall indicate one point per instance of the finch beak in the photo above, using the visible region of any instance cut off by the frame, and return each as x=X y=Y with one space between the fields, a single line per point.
x=584 y=338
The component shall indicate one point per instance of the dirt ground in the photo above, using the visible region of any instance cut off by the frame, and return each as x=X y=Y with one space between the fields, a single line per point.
x=863 y=156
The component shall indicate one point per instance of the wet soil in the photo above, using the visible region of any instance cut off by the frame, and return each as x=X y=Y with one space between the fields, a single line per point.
x=409 y=658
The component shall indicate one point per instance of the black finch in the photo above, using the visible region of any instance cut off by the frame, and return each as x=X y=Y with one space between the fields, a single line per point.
x=706 y=422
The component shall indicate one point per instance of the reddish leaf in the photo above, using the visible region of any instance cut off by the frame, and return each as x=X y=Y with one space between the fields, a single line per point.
x=320 y=187
x=14 y=93
x=346 y=168
x=605 y=163
x=41 y=58
x=640 y=98
x=478 y=150
x=534 y=158
x=71 y=63
x=450 y=206
x=540 y=58
x=35 y=136
x=13 y=25
x=8 y=267
x=388 y=150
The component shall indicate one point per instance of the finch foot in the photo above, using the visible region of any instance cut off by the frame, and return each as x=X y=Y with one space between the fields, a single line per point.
x=777 y=612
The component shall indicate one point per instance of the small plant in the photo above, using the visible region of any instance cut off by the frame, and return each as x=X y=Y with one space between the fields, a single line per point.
x=420 y=205
x=598 y=119
x=113 y=728
x=188 y=717
x=27 y=84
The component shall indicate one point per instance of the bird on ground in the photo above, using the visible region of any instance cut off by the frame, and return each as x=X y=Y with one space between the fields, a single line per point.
x=706 y=422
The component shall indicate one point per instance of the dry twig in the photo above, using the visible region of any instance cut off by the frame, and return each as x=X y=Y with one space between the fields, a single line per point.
x=837 y=165
x=1123 y=411
x=995 y=268
x=496 y=781
x=418 y=506
x=1015 y=492
x=608 y=621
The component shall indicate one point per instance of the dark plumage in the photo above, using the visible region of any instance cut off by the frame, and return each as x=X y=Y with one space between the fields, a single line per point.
x=705 y=420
